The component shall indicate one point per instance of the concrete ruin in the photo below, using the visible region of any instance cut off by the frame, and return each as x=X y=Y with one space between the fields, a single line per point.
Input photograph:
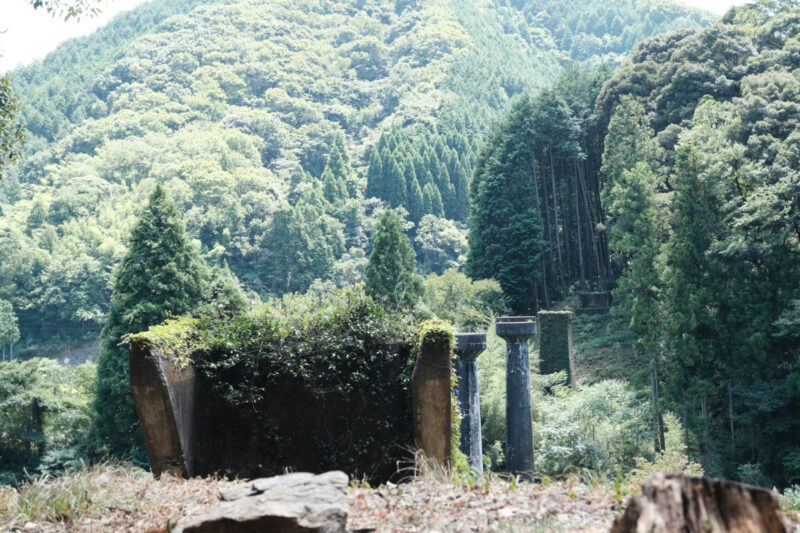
x=165 y=397
x=555 y=344
x=468 y=347
x=190 y=430
x=519 y=431
x=593 y=303
x=430 y=401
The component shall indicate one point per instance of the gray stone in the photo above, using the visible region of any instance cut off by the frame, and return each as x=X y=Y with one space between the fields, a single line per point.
x=292 y=503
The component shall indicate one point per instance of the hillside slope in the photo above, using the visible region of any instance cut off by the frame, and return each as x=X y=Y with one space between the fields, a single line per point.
x=238 y=108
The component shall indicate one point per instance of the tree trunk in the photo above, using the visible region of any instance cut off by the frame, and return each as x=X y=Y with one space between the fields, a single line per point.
x=657 y=415
x=730 y=415
x=706 y=423
x=546 y=214
x=590 y=221
x=545 y=295
x=578 y=227
x=676 y=503
x=555 y=215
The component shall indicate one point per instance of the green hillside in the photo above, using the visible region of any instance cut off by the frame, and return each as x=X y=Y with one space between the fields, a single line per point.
x=238 y=108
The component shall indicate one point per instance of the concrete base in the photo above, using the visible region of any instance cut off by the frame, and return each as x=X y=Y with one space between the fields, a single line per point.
x=164 y=397
x=430 y=401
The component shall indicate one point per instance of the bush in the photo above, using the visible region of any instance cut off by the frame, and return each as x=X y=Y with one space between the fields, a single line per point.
x=600 y=427
x=46 y=415
x=790 y=499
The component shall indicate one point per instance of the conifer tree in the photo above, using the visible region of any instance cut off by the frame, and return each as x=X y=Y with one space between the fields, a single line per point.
x=416 y=203
x=334 y=189
x=390 y=274
x=161 y=275
x=375 y=181
x=505 y=230
x=692 y=278
x=432 y=201
x=395 y=184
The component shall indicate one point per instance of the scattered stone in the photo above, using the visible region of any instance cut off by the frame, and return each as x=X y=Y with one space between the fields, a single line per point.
x=30 y=526
x=676 y=503
x=296 y=503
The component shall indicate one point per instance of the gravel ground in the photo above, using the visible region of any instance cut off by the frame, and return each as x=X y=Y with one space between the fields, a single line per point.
x=492 y=506
x=122 y=499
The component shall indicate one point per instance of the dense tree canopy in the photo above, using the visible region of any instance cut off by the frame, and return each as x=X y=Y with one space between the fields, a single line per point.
x=248 y=110
x=161 y=275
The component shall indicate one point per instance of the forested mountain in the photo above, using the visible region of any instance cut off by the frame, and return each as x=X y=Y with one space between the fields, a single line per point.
x=278 y=128
x=684 y=163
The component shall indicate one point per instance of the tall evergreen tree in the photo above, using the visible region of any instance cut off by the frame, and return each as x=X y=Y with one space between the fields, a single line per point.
x=395 y=183
x=391 y=271
x=432 y=201
x=375 y=173
x=416 y=201
x=161 y=275
x=692 y=278
x=505 y=230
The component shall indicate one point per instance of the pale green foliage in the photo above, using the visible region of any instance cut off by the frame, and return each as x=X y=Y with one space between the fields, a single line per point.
x=599 y=427
x=10 y=129
x=9 y=326
x=673 y=460
x=790 y=499
x=670 y=461
x=470 y=305
x=442 y=244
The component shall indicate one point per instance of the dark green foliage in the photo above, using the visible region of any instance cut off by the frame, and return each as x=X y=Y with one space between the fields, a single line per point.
x=391 y=273
x=46 y=417
x=307 y=383
x=238 y=106
x=505 y=234
x=716 y=307
x=555 y=342
x=161 y=275
x=300 y=245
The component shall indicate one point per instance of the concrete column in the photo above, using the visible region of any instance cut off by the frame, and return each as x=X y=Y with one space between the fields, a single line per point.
x=430 y=401
x=164 y=397
x=468 y=347
x=519 y=431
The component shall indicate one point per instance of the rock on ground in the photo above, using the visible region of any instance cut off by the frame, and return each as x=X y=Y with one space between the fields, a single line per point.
x=292 y=503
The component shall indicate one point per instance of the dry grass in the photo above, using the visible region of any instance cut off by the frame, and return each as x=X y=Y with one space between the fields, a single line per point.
x=119 y=498
x=109 y=497
x=490 y=503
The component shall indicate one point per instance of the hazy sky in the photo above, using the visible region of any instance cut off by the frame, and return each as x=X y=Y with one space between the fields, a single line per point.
x=30 y=33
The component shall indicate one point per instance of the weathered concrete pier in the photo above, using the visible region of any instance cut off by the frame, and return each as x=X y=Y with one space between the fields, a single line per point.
x=519 y=431
x=468 y=347
x=430 y=401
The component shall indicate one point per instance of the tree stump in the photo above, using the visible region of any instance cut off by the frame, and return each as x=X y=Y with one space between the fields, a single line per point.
x=680 y=504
